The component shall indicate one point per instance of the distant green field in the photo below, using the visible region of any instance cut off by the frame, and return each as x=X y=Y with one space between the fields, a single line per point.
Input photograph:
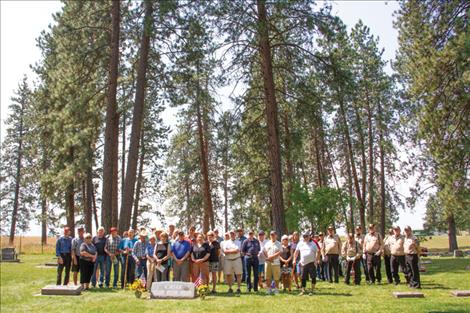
x=20 y=284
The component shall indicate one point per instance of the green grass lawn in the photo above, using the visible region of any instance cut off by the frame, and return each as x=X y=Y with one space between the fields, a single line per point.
x=21 y=283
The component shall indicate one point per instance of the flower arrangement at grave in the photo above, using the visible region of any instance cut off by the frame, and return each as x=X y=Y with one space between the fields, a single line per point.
x=138 y=287
x=202 y=291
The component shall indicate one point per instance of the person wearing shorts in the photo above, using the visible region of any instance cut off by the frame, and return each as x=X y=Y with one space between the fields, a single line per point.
x=214 y=248
x=272 y=250
x=296 y=269
x=232 y=263
x=76 y=243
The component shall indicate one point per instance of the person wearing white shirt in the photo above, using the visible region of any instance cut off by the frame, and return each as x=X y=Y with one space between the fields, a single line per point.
x=309 y=254
x=261 y=258
x=232 y=264
x=271 y=251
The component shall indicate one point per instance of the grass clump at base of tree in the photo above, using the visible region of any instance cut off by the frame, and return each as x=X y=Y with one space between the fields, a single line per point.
x=21 y=283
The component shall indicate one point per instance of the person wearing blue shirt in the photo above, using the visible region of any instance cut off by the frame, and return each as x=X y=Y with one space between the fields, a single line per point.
x=99 y=242
x=250 y=250
x=180 y=251
x=139 y=254
x=128 y=264
x=241 y=237
x=63 y=252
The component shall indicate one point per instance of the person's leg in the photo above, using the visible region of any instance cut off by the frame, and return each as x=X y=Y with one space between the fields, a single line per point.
x=248 y=267
x=177 y=272
x=195 y=271
x=131 y=270
x=348 y=272
x=116 y=273
x=102 y=266
x=357 y=272
x=67 y=265
x=255 y=264
x=378 y=263
x=364 y=266
x=269 y=273
x=261 y=273
x=388 y=269
x=277 y=276
x=335 y=260
x=312 y=273
x=370 y=268
x=60 y=269
x=304 y=277
x=330 y=269
x=412 y=260
x=204 y=270
x=108 y=272
x=214 y=280
x=229 y=280
x=394 y=269
x=93 y=276
x=185 y=270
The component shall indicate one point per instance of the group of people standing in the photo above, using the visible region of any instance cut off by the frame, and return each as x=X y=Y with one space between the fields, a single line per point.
x=255 y=260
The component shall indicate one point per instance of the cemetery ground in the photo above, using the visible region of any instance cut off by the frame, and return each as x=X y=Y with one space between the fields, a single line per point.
x=21 y=285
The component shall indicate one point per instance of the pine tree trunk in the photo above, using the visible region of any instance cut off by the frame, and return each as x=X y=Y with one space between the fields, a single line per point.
x=207 y=199
x=95 y=211
x=140 y=176
x=123 y=157
x=137 y=120
x=363 y=165
x=225 y=177
x=382 y=168
x=111 y=136
x=43 y=220
x=70 y=207
x=14 y=213
x=371 y=164
x=289 y=166
x=352 y=162
x=452 y=233
x=274 y=151
x=88 y=208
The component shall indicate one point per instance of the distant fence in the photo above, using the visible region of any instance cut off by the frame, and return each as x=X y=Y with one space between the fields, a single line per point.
x=30 y=244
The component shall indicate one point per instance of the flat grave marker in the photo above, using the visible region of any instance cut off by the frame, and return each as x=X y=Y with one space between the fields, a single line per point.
x=408 y=294
x=60 y=290
x=172 y=290
x=460 y=293
x=9 y=255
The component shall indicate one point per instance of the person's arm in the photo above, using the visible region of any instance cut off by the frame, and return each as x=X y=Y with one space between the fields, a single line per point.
x=296 y=255
x=57 y=251
x=338 y=244
x=136 y=259
x=359 y=251
x=168 y=254
x=243 y=252
x=106 y=248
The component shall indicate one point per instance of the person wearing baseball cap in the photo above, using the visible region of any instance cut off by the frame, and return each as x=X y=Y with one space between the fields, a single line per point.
x=250 y=251
x=232 y=263
x=261 y=258
x=113 y=242
x=139 y=253
x=272 y=250
x=352 y=253
x=388 y=256
x=180 y=251
x=99 y=241
x=63 y=252
x=307 y=254
x=76 y=243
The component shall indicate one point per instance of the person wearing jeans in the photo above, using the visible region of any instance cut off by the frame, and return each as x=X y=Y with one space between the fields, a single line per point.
x=112 y=261
x=307 y=253
x=250 y=250
x=388 y=256
x=99 y=242
x=331 y=249
x=63 y=252
x=128 y=264
x=360 y=239
x=162 y=255
x=139 y=253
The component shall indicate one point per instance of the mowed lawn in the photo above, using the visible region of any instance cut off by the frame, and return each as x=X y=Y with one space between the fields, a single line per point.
x=21 y=283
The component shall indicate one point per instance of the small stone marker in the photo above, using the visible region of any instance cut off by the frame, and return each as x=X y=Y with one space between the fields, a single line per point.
x=9 y=255
x=172 y=290
x=59 y=290
x=422 y=269
x=408 y=295
x=458 y=254
x=460 y=293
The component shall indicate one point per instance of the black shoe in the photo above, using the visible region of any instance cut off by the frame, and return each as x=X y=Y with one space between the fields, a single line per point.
x=230 y=291
x=238 y=292
x=101 y=285
x=213 y=292
x=397 y=283
x=249 y=290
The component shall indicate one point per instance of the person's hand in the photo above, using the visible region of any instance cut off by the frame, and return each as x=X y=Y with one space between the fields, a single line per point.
x=60 y=261
x=74 y=261
x=378 y=253
x=364 y=256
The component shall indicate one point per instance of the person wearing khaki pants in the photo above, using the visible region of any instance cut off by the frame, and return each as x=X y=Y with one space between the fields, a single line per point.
x=200 y=253
x=150 y=261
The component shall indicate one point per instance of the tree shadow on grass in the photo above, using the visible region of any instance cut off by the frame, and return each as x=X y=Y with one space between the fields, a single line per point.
x=101 y=290
x=434 y=286
x=327 y=293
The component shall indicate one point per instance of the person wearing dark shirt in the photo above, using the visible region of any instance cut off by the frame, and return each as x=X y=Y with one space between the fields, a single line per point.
x=87 y=260
x=200 y=253
x=63 y=252
x=286 y=263
x=162 y=255
x=99 y=242
x=214 y=265
x=250 y=250
x=241 y=237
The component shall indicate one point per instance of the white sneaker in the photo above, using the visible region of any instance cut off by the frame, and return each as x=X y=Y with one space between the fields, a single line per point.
x=268 y=292
x=276 y=292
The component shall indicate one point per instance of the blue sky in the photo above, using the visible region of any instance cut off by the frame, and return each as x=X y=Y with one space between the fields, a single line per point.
x=22 y=22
